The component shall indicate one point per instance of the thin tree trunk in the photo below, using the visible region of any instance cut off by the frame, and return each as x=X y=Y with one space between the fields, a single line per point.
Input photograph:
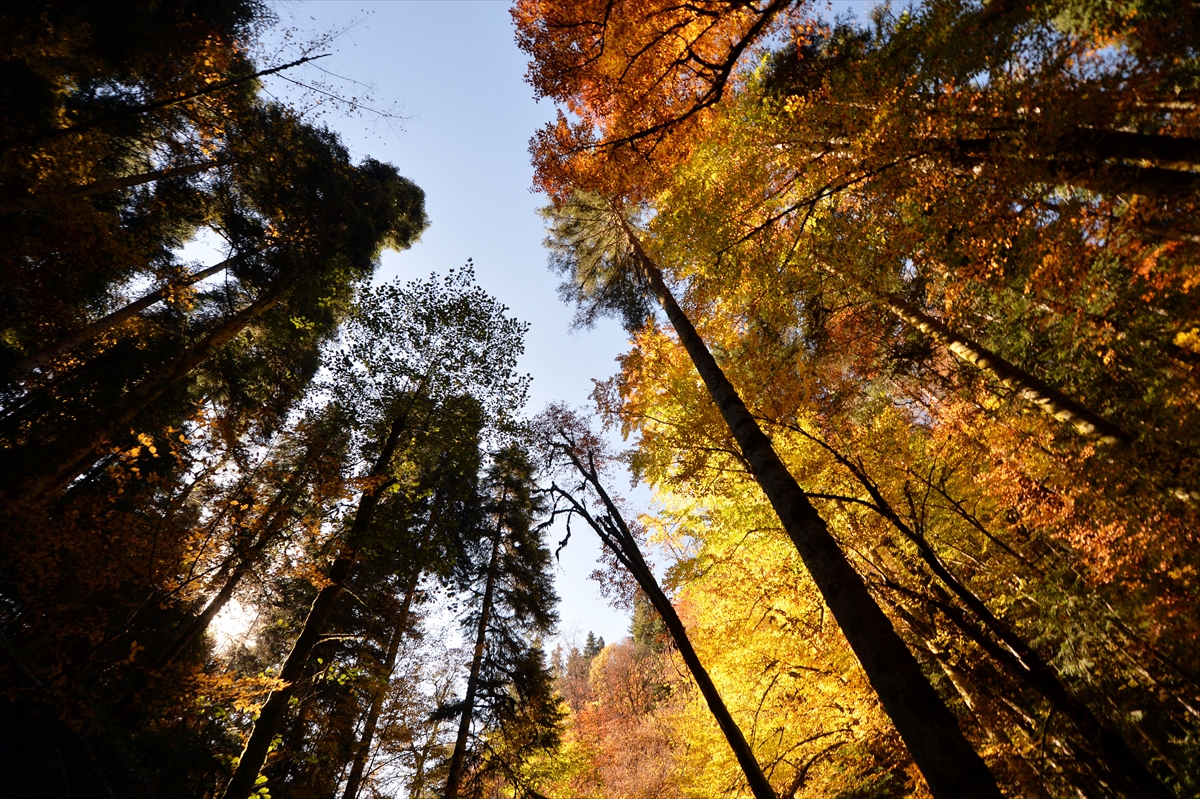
x=929 y=730
x=363 y=751
x=109 y=321
x=80 y=127
x=1021 y=660
x=1047 y=398
x=41 y=198
x=66 y=462
x=242 y=783
x=458 y=759
x=276 y=516
x=626 y=550
x=1130 y=146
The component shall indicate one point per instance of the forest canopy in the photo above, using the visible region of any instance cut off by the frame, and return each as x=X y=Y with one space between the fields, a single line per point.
x=912 y=375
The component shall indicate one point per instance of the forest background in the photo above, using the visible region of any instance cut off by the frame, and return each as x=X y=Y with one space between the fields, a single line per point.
x=911 y=369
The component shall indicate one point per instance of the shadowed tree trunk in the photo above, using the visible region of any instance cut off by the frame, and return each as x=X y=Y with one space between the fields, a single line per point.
x=109 y=321
x=111 y=184
x=379 y=693
x=458 y=759
x=53 y=469
x=89 y=124
x=245 y=561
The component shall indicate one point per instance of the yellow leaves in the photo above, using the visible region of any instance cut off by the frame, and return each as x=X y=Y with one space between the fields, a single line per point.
x=1188 y=339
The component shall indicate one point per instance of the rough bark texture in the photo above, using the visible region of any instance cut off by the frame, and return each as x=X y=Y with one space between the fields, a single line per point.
x=950 y=766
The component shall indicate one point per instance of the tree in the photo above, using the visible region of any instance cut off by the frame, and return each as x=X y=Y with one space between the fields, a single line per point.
x=568 y=439
x=594 y=243
x=508 y=691
x=411 y=354
x=301 y=278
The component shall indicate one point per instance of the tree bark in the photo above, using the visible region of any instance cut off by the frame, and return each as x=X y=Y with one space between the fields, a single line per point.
x=1047 y=398
x=627 y=551
x=109 y=321
x=379 y=694
x=63 y=463
x=41 y=198
x=458 y=759
x=929 y=730
x=242 y=783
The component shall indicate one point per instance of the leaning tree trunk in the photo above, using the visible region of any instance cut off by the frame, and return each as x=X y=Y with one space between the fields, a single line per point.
x=1047 y=398
x=1100 y=161
x=111 y=184
x=1017 y=656
x=626 y=549
x=63 y=463
x=109 y=321
x=271 y=717
x=458 y=759
x=245 y=562
x=950 y=766
x=379 y=693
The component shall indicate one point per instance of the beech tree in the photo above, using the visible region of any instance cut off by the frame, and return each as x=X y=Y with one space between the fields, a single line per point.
x=596 y=246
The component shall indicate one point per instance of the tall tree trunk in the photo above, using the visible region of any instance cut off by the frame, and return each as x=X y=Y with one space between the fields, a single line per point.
x=109 y=321
x=1092 y=160
x=1047 y=398
x=362 y=752
x=111 y=184
x=929 y=730
x=271 y=717
x=62 y=463
x=626 y=549
x=458 y=759
x=1131 y=146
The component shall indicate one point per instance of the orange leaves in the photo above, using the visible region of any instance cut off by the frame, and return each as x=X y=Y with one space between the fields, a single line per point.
x=637 y=76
